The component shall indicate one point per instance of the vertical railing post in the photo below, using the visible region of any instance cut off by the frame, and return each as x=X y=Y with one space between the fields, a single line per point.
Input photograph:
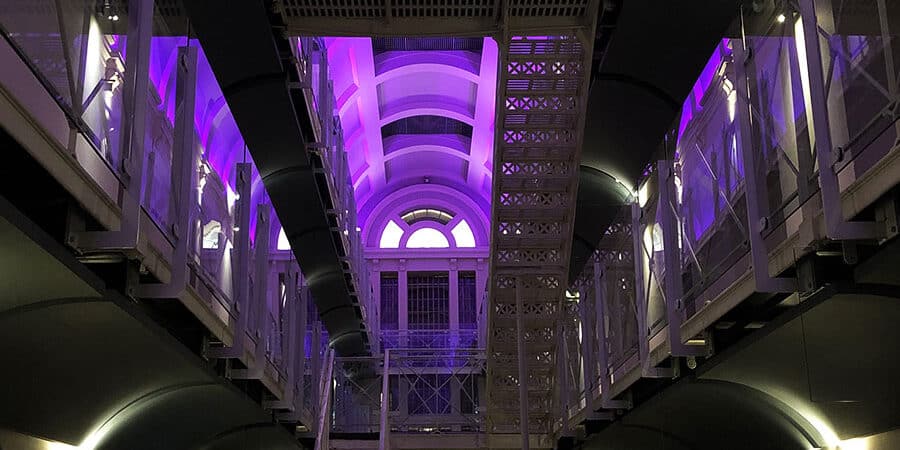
x=301 y=344
x=316 y=360
x=588 y=327
x=240 y=256
x=294 y=352
x=182 y=213
x=259 y=298
x=606 y=400
x=523 y=362
x=384 y=425
x=836 y=227
x=754 y=188
x=562 y=371
x=672 y=260
x=134 y=120
x=641 y=300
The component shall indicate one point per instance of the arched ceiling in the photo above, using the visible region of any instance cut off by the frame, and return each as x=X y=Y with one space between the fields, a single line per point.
x=416 y=111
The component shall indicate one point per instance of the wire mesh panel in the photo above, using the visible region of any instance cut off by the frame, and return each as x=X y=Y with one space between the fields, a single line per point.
x=428 y=300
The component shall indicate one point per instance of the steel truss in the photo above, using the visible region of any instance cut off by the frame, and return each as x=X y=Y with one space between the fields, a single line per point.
x=541 y=107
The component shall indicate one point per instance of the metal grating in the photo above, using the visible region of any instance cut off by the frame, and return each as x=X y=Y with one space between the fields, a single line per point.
x=426 y=125
x=433 y=17
x=544 y=90
x=393 y=44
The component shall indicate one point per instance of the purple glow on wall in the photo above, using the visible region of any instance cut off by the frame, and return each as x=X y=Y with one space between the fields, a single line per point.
x=692 y=103
x=375 y=90
x=217 y=132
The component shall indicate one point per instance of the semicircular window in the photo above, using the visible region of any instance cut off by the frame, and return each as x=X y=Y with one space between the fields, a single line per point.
x=427 y=238
x=420 y=214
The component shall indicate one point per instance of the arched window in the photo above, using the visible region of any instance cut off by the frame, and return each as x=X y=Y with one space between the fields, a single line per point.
x=462 y=234
x=390 y=237
x=283 y=243
x=427 y=238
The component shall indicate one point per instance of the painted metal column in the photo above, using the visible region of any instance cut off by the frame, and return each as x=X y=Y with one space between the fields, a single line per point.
x=562 y=372
x=453 y=310
x=836 y=227
x=755 y=188
x=523 y=362
x=588 y=335
x=402 y=304
x=481 y=301
x=453 y=281
x=375 y=300
x=303 y=305
x=316 y=369
x=384 y=425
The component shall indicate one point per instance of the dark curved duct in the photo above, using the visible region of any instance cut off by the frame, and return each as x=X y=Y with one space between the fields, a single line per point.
x=252 y=62
x=647 y=68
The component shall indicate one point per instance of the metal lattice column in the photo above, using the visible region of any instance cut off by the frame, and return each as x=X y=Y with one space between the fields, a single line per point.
x=543 y=94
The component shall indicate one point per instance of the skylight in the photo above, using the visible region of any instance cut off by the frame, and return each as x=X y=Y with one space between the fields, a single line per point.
x=436 y=215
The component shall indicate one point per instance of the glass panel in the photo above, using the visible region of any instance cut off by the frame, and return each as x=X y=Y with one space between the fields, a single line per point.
x=861 y=50
x=77 y=51
x=781 y=133
x=710 y=199
x=159 y=134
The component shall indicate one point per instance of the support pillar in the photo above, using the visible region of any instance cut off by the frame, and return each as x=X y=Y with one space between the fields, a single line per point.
x=402 y=304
